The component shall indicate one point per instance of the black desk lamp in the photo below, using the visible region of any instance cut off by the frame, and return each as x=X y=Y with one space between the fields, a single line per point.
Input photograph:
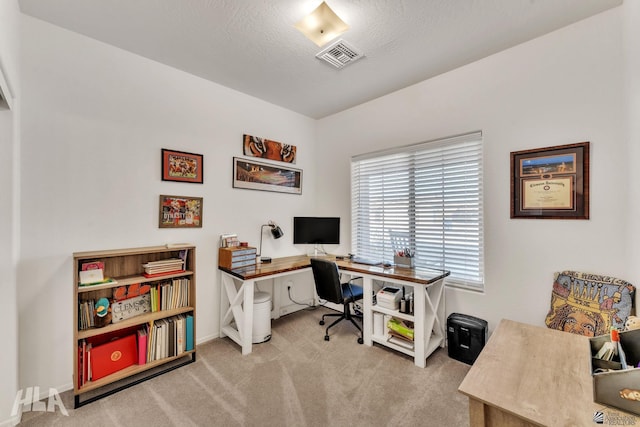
x=276 y=232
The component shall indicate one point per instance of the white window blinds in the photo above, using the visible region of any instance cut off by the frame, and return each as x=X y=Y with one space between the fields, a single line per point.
x=426 y=198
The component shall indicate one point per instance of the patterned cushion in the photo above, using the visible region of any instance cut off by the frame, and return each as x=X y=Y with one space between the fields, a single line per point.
x=589 y=304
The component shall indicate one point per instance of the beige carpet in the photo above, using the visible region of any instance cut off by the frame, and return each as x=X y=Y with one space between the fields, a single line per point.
x=295 y=379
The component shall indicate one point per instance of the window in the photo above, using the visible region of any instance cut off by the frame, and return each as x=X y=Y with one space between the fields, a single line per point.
x=427 y=198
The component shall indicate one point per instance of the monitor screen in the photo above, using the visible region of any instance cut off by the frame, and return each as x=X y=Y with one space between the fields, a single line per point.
x=316 y=230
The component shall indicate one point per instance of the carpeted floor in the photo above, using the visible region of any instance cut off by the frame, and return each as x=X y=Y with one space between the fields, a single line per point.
x=295 y=379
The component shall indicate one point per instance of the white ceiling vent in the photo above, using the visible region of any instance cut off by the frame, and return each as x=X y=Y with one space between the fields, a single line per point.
x=340 y=54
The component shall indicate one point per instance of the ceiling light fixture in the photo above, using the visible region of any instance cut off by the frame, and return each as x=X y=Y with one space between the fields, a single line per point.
x=322 y=25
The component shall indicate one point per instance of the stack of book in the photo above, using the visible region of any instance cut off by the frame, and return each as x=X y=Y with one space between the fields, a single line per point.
x=170 y=295
x=162 y=267
x=400 y=332
x=170 y=337
x=85 y=314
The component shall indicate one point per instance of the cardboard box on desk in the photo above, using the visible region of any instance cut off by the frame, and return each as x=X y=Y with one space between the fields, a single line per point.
x=618 y=388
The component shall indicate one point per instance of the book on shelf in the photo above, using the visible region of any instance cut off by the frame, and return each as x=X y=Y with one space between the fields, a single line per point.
x=180 y=334
x=165 y=265
x=92 y=277
x=183 y=256
x=168 y=338
x=104 y=281
x=188 y=346
x=80 y=373
x=142 y=345
x=171 y=335
x=85 y=314
x=92 y=265
x=400 y=342
x=86 y=369
x=167 y=273
x=151 y=342
x=401 y=328
x=159 y=325
x=177 y=245
x=170 y=295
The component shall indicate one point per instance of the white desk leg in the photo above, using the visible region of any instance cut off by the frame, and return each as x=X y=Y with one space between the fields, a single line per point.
x=367 y=315
x=421 y=336
x=224 y=303
x=435 y=302
x=239 y=309
x=247 y=336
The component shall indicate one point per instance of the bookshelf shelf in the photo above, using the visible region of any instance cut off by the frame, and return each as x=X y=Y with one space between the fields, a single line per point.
x=130 y=280
x=134 y=321
x=130 y=371
x=394 y=313
x=102 y=349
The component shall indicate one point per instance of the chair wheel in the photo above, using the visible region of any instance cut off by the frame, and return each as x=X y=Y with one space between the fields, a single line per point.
x=360 y=341
x=326 y=337
x=322 y=322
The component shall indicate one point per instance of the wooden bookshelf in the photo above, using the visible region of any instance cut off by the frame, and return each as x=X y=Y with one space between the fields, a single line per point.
x=126 y=268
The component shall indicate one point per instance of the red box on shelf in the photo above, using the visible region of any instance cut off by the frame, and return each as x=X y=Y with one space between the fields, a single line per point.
x=113 y=356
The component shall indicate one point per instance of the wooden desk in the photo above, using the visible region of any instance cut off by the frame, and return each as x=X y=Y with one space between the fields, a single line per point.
x=428 y=285
x=534 y=376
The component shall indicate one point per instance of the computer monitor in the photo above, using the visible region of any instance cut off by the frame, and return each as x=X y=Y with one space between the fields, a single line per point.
x=316 y=230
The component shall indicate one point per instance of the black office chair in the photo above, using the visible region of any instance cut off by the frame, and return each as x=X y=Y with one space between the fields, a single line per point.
x=330 y=288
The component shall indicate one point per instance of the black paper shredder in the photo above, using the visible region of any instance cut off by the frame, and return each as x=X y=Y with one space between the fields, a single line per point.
x=466 y=336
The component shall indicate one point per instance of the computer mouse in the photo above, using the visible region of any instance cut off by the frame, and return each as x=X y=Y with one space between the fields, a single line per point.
x=386 y=264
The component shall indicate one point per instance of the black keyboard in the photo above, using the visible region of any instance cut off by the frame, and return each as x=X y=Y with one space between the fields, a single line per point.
x=366 y=261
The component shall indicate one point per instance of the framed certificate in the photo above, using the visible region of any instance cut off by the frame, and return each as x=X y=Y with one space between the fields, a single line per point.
x=551 y=182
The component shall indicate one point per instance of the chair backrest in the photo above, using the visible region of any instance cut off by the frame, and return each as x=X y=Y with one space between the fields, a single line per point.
x=327 y=278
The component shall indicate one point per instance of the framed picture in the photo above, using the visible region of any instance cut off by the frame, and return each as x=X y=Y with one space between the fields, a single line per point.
x=267 y=149
x=551 y=182
x=264 y=176
x=181 y=166
x=180 y=212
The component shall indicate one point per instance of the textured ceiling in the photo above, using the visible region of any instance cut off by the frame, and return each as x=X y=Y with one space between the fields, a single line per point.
x=252 y=45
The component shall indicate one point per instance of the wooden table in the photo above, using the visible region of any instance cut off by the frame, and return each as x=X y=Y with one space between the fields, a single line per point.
x=236 y=311
x=534 y=376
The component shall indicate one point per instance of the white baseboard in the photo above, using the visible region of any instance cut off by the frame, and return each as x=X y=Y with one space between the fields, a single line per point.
x=11 y=421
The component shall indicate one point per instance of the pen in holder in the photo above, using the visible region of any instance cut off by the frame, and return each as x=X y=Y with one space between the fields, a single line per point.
x=404 y=261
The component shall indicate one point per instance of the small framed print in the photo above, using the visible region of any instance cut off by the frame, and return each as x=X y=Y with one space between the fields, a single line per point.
x=180 y=212
x=551 y=182
x=182 y=166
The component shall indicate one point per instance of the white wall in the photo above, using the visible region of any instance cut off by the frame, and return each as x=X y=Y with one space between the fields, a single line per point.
x=94 y=121
x=631 y=43
x=9 y=222
x=563 y=88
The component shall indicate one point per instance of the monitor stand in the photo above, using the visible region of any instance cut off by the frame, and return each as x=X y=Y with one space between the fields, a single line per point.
x=317 y=252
